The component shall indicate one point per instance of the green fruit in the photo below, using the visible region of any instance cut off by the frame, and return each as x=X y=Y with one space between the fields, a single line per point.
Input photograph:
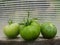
x=56 y=0
x=12 y=30
x=31 y=31
x=48 y=30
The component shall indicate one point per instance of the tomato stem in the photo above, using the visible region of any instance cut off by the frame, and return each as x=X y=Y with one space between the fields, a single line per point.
x=28 y=15
x=10 y=21
x=28 y=20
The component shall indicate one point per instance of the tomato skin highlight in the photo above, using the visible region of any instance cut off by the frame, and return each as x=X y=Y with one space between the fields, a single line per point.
x=30 y=32
x=12 y=30
x=48 y=30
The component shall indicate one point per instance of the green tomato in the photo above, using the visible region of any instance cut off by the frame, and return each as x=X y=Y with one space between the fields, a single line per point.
x=48 y=30
x=12 y=30
x=56 y=0
x=31 y=31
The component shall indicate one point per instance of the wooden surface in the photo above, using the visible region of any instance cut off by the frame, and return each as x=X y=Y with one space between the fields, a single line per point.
x=39 y=41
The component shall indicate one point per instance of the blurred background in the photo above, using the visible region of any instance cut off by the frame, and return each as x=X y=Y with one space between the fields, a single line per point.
x=44 y=10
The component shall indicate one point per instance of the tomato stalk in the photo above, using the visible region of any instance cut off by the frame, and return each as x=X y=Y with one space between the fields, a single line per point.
x=10 y=21
x=28 y=22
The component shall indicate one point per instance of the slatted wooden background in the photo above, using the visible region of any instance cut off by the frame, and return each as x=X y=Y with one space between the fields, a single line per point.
x=17 y=10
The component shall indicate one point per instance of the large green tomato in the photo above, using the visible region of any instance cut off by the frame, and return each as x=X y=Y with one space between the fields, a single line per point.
x=48 y=30
x=30 y=32
x=12 y=30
